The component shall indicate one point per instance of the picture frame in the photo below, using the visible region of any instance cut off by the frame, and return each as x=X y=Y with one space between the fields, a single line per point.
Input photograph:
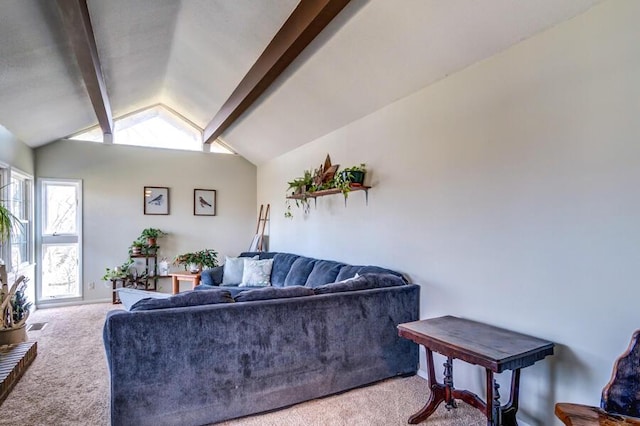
x=204 y=202
x=156 y=200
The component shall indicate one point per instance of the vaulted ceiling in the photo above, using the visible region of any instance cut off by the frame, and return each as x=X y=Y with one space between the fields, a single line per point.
x=191 y=54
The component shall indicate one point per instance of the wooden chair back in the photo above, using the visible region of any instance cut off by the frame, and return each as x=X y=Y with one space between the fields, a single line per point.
x=622 y=393
x=620 y=402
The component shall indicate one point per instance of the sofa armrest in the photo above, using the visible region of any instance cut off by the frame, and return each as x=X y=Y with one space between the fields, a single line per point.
x=212 y=276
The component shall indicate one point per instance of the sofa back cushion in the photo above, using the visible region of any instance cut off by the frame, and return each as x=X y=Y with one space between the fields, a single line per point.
x=273 y=293
x=299 y=272
x=349 y=271
x=188 y=298
x=282 y=263
x=362 y=282
x=323 y=272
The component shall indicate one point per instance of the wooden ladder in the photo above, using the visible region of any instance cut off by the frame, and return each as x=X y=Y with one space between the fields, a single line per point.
x=263 y=217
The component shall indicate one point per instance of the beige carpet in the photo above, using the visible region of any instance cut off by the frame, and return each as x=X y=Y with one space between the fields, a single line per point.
x=67 y=384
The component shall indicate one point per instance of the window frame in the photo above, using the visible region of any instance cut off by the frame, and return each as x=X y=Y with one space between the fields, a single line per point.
x=7 y=175
x=56 y=239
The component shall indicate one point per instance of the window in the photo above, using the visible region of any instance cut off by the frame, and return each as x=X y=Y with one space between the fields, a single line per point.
x=155 y=127
x=61 y=235
x=18 y=197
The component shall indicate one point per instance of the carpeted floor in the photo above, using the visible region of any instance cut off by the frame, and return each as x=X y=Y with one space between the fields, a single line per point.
x=68 y=384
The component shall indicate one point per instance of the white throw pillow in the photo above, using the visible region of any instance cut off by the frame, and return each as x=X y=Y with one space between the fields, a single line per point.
x=233 y=269
x=257 y=273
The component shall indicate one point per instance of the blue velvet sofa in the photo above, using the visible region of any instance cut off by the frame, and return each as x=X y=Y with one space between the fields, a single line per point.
x=202 y=357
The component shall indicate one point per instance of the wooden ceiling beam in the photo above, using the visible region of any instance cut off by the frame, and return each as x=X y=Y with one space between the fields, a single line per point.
x=77 y=24
x=308 y=19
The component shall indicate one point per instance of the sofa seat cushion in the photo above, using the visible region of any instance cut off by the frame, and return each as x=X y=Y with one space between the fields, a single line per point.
x=324 y=272
x=188 y=298
x=299 y=272
x=274 y=293
x=363 y=282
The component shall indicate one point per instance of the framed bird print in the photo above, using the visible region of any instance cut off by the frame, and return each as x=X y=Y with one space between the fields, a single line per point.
x=204 y=202
x=156 y=200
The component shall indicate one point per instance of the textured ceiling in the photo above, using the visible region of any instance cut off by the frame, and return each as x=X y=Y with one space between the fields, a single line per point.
x=42 y=94
x=191 y=54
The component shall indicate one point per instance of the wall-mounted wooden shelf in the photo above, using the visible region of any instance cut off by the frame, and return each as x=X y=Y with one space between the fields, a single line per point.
x=324 y=192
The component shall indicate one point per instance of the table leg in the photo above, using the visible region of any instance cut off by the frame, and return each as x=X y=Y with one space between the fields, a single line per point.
x=448 y=384
x=196 y=281
x=175 y=284
x=437 y=394
x=492 y=409
x=509 y=411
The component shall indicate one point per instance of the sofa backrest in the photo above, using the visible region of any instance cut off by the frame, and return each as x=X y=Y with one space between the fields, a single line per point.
x=292 y=269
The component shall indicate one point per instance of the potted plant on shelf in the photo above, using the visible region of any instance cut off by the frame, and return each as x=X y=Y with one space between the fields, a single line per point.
x=136 y=248
x=119 y=272
x=299 y=190
x=301 y=185
x=151 y=235
x=195 y=261
x=354 y=174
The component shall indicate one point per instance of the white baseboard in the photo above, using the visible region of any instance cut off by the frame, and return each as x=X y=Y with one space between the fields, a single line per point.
x=422 y=373
x=71 y=303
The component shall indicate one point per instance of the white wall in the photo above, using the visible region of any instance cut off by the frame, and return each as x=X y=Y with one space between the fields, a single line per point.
x=509 y=192
x=14 y=152
x=113 y=179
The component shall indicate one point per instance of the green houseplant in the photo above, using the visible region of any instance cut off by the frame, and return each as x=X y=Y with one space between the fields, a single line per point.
x=195 y=261
x=298 y=190
x=354 y=174
x=118 y=272
x=137 y=248
x=151 y=235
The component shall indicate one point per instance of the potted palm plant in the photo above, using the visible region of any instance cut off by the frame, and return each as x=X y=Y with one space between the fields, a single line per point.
x=7 y=222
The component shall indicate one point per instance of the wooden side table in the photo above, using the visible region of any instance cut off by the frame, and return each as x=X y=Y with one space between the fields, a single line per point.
x=176 y=278
x=493 y=348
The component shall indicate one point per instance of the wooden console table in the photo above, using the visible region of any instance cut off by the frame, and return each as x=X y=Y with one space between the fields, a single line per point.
x=493 y=348
x=176 y=278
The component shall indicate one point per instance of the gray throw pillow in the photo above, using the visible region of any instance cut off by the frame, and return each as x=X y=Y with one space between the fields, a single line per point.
x=363 y=282
x=274 y=293
x=188 y=298
x=233 y=269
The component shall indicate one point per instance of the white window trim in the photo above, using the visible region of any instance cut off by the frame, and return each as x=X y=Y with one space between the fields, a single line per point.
x=7 y=172
x=40 y=240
